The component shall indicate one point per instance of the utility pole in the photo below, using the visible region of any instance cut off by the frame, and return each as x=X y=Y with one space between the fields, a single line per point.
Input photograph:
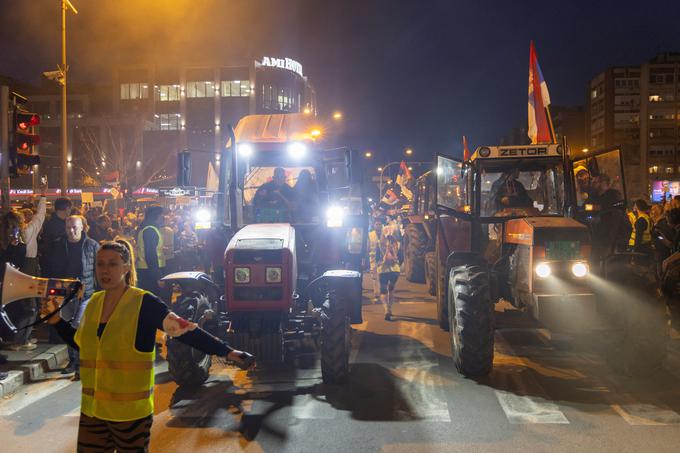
x=4 y=148
x=65 y=5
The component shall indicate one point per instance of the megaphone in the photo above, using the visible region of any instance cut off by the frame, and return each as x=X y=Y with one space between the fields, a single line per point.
x=17 y=286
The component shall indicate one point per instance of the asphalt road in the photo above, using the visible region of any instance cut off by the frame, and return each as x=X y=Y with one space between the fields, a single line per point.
x=404 y=395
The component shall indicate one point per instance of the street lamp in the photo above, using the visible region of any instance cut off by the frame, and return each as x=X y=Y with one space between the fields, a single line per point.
x=65 y=5
x=408 y=151
x=380 y=169
x=368 y=154
x=337 y=115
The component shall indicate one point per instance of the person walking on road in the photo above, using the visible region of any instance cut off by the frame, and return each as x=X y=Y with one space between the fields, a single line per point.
x=150 y=256
x=116 y=343
x=374 y=255
x=388 y=271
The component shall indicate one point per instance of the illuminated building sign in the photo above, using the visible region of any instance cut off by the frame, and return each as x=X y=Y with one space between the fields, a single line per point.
x=664 y=189
x=282 y=63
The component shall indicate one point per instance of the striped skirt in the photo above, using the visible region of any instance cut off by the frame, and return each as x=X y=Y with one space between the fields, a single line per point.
x=96 y=435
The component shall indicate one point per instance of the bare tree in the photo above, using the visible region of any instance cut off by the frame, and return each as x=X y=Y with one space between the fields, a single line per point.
x=114 y=158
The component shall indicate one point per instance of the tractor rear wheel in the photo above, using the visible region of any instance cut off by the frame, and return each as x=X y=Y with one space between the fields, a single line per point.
x=415 y=243
x=471 y=321
x=188 y=366
x=430 y=274
x=335 y=336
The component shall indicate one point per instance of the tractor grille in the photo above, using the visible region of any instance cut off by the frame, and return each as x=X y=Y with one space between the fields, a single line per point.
x=258 y=256
x=256 y=293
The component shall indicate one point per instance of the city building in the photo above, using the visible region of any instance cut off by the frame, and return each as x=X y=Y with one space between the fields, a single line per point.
x=131 y=129
x=636 y=108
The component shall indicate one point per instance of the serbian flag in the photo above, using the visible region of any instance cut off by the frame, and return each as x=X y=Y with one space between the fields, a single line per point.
x=390 y=198
x=540 y=127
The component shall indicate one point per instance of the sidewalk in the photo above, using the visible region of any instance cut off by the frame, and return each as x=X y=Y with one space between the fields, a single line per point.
x=29 y=366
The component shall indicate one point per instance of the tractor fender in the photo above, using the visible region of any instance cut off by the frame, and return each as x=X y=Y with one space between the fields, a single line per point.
x=349 y=282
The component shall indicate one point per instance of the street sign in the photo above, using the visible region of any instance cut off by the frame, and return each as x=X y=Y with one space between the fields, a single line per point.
x=176 y=192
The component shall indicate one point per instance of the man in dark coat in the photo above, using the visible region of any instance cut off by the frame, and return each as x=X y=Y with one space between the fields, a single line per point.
x=54 y=228
x=74 y=256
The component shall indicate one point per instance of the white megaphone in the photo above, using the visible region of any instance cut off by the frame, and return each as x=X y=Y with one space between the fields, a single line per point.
x=16 y=286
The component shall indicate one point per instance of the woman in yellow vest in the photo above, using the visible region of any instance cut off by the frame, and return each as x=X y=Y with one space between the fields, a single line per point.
x=116 y=341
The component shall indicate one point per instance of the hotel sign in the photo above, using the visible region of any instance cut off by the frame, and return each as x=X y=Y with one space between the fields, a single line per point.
x=283 y=63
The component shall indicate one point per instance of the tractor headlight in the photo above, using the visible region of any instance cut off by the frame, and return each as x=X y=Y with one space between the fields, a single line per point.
x=543 y=270
x=335 y=217
x=245 y=149
x=297 y=150
x=242 y=275
x=273 y=275
x=579 y=269
x=202 y=215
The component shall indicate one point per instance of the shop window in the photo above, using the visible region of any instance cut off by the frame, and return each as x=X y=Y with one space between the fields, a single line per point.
x=167 y=121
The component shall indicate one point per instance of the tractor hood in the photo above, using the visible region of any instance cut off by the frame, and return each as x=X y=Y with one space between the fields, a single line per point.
x=541 y=230
x=263 y=236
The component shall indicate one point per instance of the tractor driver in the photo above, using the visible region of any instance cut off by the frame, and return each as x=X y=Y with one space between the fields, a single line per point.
x=508 y=192
x=273 y=199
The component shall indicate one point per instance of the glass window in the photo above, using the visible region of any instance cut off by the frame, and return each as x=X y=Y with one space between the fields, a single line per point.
x=522 y=188
x=134 y=91
x=451 y=184
x=204 y=89
x=598 y=180
x=235 y=88
x=167 y=121
x=167 y=93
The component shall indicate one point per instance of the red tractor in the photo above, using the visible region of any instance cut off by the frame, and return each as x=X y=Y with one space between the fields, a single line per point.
x=297 y=223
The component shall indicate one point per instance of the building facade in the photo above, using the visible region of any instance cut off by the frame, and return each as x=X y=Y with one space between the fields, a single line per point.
x=139 y=122
x=637 y=108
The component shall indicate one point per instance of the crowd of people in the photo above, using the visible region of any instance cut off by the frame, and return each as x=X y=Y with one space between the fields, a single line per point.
x=64 y=244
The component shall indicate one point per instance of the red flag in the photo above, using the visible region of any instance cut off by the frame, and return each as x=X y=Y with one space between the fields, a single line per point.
x=405 y=171
x=466 y=150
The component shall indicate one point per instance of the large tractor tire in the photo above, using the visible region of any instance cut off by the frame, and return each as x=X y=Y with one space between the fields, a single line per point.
x=335 y=336
x=430 y=274
x=187 y=366
x=471 y=321
x=415 y=244
x=637 y=315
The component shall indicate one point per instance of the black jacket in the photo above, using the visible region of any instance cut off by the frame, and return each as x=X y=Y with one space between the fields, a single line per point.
x=56 y=262
x=53 y=229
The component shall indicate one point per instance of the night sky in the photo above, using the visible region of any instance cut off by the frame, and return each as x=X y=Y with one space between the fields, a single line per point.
x=416 y=74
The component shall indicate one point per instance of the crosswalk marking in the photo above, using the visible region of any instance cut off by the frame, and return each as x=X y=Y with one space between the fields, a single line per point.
x=646 y=414
x=526 y=409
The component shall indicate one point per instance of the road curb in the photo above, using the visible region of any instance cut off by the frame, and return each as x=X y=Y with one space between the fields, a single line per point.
x=51 y=360
x=11 y=382
x=31 y=369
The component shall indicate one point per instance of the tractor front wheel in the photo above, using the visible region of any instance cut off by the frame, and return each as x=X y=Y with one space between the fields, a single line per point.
x=188 y=366
x=471 y=320
x=335 y=336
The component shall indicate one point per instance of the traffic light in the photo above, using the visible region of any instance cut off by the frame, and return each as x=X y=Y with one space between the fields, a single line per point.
x=23 y=154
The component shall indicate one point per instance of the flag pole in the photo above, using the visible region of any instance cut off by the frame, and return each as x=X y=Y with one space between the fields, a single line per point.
x=550 y=124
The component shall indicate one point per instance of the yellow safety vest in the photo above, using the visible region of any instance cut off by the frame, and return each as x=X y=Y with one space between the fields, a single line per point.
x=373 y=244
x=646 y=235
x=384 y=267
x=117 y=379
x=141 y=256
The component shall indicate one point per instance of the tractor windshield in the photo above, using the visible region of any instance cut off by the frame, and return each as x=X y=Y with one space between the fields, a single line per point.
x=527 y=187
x=274 y=191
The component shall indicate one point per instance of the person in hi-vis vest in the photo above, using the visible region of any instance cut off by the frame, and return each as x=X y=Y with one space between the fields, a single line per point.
x=116 y=342
x=150 y=253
